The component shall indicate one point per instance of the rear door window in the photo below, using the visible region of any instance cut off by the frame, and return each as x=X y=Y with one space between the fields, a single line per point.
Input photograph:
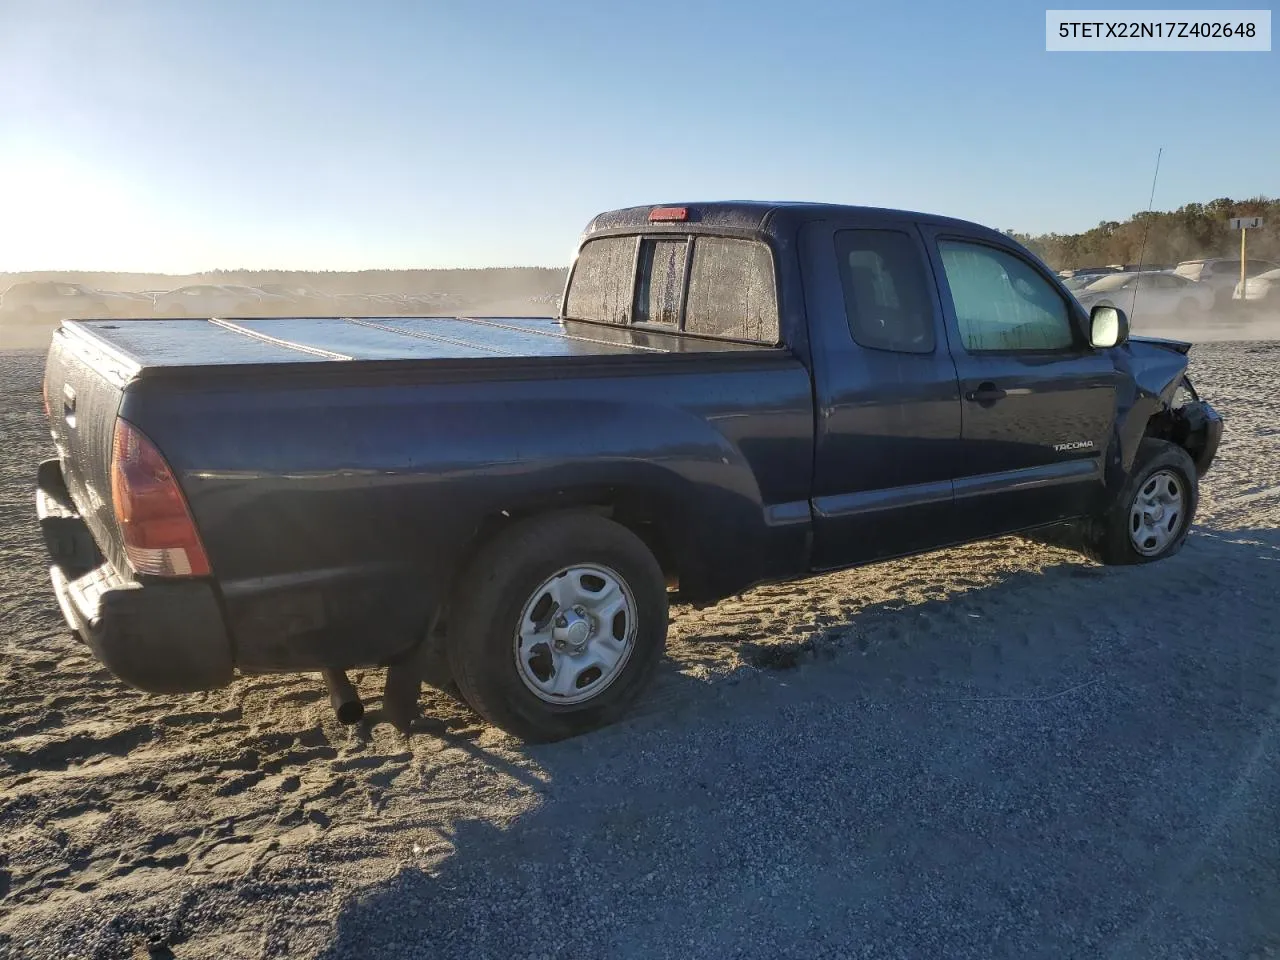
x=886 y=293
x=601 y=284
x=732 y=292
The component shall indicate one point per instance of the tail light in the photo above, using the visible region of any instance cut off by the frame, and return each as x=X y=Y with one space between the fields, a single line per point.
x=160 y=538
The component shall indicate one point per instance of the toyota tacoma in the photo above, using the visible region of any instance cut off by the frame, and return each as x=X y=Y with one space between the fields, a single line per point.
x=731 y=394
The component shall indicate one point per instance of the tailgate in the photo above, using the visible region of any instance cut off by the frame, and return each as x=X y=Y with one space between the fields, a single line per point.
x=84 y=382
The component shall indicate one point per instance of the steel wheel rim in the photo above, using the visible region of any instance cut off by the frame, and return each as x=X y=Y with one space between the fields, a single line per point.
x=575 y=634
x=1157 y=513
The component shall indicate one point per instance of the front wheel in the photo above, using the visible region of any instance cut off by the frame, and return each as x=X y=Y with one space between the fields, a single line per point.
x=1150 y=518
x=560 y=623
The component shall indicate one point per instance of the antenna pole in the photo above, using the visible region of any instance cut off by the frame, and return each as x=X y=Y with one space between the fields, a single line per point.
x=1150 y=203
x=1146 y=227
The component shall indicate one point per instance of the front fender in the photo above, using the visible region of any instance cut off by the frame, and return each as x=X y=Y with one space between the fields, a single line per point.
x=1156 y=370
x=1161 y=402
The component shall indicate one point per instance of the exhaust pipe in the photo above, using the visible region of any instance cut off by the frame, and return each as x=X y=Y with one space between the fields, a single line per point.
x=343 y=697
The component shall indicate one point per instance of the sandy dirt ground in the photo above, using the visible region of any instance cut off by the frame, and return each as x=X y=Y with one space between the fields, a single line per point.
x=995 y=751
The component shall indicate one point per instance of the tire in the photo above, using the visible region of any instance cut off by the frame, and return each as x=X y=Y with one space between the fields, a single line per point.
x=1113 y=538
x=528 y=569
x=1188 y=309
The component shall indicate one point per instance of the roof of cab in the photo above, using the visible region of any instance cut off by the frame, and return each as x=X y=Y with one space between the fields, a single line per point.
x=762 y=216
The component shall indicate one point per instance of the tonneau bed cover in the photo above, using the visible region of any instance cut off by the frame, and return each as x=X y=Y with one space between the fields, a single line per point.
x=205 y=342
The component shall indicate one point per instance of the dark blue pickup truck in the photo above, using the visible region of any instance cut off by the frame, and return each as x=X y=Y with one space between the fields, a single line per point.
x=733 y=393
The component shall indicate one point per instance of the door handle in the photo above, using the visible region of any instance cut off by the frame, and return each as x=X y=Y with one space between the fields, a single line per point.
x=986 y=394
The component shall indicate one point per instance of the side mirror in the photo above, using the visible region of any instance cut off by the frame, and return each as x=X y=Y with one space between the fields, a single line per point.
x=1108 y=327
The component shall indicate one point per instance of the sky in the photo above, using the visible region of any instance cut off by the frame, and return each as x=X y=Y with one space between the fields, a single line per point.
x=179 y=135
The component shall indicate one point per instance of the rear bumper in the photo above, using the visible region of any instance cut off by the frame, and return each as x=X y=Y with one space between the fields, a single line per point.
x=162 y=636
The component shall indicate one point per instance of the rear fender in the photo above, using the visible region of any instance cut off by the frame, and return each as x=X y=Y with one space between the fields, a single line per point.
x=708 y=532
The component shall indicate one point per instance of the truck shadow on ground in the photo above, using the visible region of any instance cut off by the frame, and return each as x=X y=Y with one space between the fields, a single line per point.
x=1071 y=762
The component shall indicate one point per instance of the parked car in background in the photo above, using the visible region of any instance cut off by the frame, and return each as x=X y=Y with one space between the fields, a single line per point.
x=1149 y=294
x=429 y=303
x=1262 y=290
x=372 y=304
x=1221 y=274
x=126 y=305
x=264 y=304
x=1080 y=281
x=306 y=298
x=219 y=300
x=1087 y=272
x=54 y=300
x=33 y=301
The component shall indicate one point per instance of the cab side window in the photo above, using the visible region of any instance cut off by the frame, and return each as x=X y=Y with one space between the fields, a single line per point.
x=886 y=293
x=1001 y=303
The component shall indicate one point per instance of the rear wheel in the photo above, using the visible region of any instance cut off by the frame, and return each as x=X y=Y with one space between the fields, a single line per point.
x=1150 y=518
x=560 y=626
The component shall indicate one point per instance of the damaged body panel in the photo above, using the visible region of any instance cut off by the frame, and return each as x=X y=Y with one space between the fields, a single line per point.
x=1162 y=403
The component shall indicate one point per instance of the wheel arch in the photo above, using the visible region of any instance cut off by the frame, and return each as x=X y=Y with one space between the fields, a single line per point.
x=660 y=515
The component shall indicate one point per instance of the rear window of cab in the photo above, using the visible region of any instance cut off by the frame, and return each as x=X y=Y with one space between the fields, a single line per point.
x=709 y=286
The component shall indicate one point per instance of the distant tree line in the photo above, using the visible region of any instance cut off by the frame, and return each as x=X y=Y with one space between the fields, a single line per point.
x=1188 y=233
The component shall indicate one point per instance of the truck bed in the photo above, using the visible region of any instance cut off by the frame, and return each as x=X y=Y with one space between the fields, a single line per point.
x=143 y=344
x=337 y=468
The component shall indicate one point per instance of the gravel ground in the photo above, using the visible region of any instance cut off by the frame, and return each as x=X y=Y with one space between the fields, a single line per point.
x=995 y=751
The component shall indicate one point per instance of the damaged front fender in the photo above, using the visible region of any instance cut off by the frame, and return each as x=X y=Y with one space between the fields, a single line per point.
x=1165 y=405
x=1158 y=367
